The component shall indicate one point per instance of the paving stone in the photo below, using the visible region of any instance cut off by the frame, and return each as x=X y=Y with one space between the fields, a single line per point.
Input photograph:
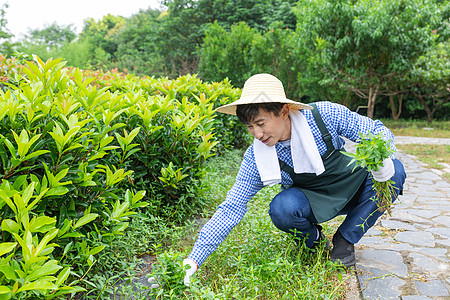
x=374 y=240
x=373 y=232
x=413 y=170
x=415 y=297
x=408 y=198
x=426 y=200
x=432 y=288
x=429 y=192
x=377 y=284
x=446 y=282
x=445 y=242
x=444 y=220
x=425 y=181
x=436 y=252
x=422 y=227
x=424 y=262
x=437 y=172
x=440 y=207
x=442 y=184
x=403 y=206
x=412 y=162
x=440 y=253
x=397 y=225
x=430 y=175
x=422 y=239
x=389 y=261
x=403 y=215
x=424 y=213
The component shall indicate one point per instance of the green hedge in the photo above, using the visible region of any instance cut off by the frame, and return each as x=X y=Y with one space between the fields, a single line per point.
x=81 y=152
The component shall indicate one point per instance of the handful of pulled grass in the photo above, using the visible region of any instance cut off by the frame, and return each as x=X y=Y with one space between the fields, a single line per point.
x=370 y=153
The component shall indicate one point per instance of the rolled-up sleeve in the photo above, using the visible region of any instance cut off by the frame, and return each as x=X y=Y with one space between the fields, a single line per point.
x=349 y=124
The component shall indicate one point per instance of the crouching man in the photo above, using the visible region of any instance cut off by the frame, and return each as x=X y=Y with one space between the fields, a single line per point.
x=299 y=146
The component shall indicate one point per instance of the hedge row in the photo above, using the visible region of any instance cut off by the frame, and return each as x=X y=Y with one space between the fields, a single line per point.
x=81 y=152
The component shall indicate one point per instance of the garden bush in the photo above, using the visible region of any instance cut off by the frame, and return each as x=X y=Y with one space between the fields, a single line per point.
x=229 y=133
x=80 y=156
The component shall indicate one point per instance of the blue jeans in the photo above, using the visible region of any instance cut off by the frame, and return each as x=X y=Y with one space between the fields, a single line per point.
x=290 y=211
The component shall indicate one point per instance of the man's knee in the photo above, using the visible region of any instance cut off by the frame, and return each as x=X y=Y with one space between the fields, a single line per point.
x=288 y=207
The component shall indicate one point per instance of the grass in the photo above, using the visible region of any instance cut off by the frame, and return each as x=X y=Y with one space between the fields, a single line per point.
x=436 y=129
x=432 y=155
x=256 y=261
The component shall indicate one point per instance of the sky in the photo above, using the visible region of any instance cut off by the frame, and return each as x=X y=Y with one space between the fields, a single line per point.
x=35 y=14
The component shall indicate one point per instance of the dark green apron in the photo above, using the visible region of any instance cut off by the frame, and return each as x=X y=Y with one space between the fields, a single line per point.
x=329 y=192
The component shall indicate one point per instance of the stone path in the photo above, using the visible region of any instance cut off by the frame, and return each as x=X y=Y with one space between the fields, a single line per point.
x=421 y=140
x=406 y=255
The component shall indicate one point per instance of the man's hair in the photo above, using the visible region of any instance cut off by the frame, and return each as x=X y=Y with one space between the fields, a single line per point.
x=248 y=112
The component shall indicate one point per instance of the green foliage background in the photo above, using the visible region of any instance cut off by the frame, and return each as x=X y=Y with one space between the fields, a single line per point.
x=374 y=53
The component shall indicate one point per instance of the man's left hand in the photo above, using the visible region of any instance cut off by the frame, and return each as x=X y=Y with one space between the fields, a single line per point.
x=385 y=172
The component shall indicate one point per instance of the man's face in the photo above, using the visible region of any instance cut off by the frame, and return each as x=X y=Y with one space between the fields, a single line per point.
x=269 y=128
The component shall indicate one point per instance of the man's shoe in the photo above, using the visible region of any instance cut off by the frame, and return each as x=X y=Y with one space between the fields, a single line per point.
x=321 y=239
x=343 y=251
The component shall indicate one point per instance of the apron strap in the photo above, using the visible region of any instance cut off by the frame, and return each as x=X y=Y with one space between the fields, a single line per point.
x=287 y=168
x=326 y=136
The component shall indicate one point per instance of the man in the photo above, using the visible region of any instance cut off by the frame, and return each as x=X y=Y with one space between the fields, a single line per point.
x=298 y=146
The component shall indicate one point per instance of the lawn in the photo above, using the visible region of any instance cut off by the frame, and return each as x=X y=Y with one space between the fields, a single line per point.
x=434 y=156
x=419 y=128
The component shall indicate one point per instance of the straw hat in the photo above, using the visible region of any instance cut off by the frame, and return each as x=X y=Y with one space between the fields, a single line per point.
x=262 y=88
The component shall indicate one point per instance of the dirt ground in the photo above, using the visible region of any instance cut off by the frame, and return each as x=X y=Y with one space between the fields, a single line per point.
x=353 y=291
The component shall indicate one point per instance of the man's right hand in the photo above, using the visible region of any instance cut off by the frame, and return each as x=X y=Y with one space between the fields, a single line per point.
x=154 y=282
x=190 y=271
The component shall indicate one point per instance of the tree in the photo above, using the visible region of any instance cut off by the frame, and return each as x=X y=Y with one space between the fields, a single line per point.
x=227 y=54
x=4 y=32
x=137 y=50
x=5 y=44
x=180 y=33
x=52 y=35
x=366 y=45
x=258 y=14
x=430 y=78
x=102 y=35
x=181 y=28
x=274 y=52
x=45 y=42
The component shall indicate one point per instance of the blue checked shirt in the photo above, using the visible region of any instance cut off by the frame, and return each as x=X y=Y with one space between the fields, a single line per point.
x=338 y=119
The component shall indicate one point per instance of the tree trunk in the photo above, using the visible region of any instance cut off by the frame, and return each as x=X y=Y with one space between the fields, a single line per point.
x=396 y=115
x=373 y=91
x=425 y=106
x=346 y=100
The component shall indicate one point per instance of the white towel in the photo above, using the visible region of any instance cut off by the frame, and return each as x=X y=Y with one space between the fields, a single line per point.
x=305 y=155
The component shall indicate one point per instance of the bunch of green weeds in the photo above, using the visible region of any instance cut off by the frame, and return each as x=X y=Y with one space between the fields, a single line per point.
x=370 y=153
